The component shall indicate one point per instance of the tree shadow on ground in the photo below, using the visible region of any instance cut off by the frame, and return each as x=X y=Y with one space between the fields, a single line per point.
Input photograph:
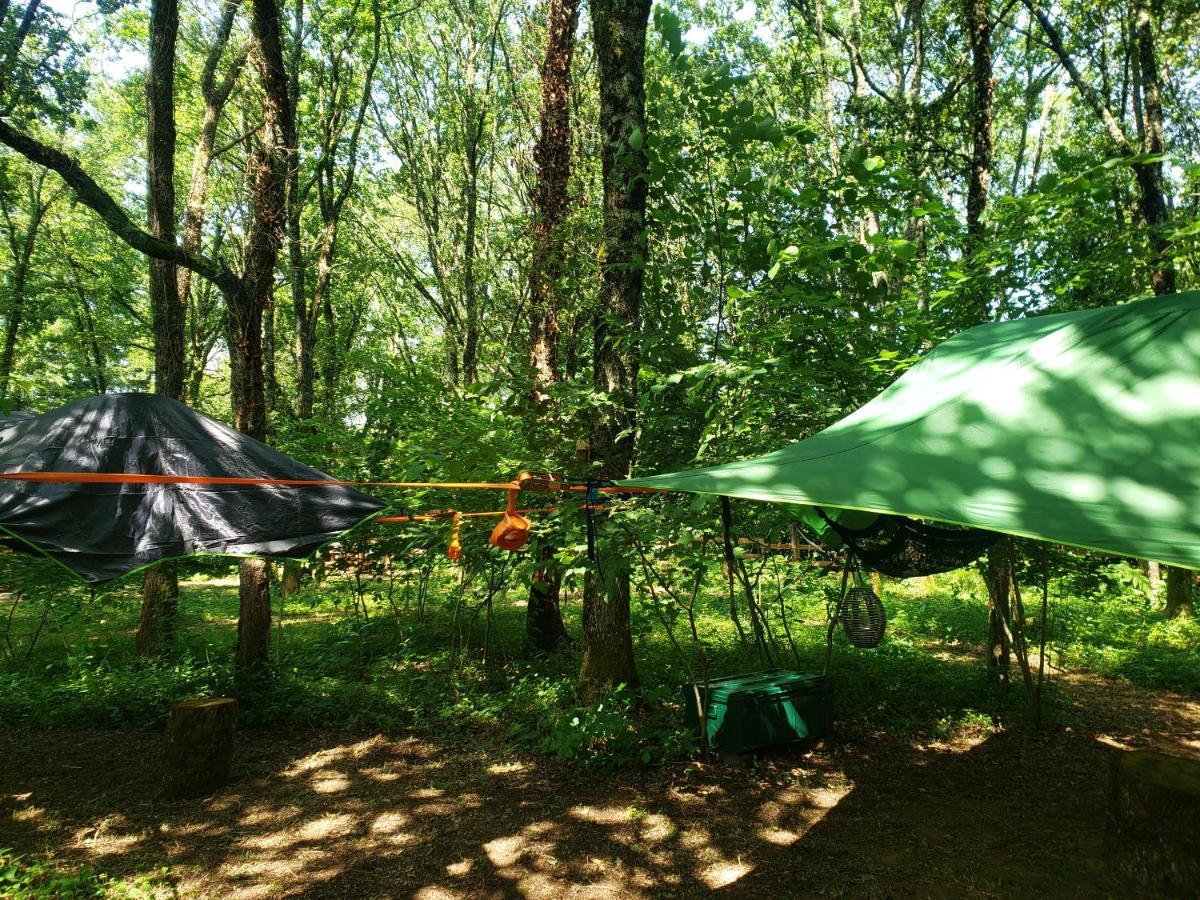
x=336 y=815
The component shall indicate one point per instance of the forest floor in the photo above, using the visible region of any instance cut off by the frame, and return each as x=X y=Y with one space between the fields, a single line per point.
x=336 y=814
x=388 y=759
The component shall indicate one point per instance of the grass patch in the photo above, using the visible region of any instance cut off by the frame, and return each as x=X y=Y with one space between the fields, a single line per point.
x=370 y=661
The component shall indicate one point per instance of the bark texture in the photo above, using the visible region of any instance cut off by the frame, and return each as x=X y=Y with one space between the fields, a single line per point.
x=268 y=167
x=544 y=627
x=22 y=242
x=1181 y=587
x=1153 y=831
x=254 y=614
x=167 y=314
x=619 y=29
x=156 y=626
x=198 y=757
x=977 y=16
x=160 y=586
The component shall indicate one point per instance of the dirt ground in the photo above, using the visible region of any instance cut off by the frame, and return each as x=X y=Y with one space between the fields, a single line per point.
x=342 y=815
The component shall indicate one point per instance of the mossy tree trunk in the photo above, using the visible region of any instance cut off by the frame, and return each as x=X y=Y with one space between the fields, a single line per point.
x=619 y=30
x=544 y=629
x=160 y=587
x=267 y=170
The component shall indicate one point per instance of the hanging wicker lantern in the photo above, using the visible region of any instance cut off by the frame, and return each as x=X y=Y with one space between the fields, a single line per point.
x=863 y=617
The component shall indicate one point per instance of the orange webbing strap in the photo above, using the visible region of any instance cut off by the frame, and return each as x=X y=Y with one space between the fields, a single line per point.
x=439 y=514
x=138 y=478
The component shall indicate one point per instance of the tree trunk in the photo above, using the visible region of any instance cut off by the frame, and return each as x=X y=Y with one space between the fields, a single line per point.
x=470 y=349
x=293 y=576
x=978 y=22
x=22 y=252
x=215 y=97
x=165 y=308
x=254 y=614
x=1153 y=206
x=160 y=592
x=619 y=29
x=997 y=571
x=1181 y=585
x=160 y=586
x=544 y=627
x=268 y=173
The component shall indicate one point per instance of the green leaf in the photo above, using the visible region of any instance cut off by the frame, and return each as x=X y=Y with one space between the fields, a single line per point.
x=635 y=139
x=903 y=250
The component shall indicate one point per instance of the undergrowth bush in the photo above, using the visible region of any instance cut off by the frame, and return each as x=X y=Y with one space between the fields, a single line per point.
x=359 y=657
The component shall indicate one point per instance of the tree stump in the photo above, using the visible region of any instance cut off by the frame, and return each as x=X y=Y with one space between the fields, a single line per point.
x=1154 y=820
x=199 y=750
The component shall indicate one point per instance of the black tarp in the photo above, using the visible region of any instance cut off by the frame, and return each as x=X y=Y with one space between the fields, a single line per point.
x=103 y=531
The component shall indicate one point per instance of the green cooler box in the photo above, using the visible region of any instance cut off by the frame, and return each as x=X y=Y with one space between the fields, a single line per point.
x=762 y=709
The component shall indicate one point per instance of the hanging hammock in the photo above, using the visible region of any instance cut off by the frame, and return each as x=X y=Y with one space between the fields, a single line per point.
x=905 y=548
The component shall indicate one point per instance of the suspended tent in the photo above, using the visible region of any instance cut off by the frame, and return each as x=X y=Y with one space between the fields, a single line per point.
x=1078 y=428
x=102 y=529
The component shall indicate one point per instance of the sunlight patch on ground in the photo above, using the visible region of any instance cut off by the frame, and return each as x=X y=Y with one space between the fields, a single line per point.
x=382 y=773
x=781 y=837
x=436 y=892
x=601 y=815
x=656 y=828
x=461 y=868
x=261 y=815
x=389 y=822
x=724 y=874
x=330 y=783
x=505 y=851
x=508 y=768
x=337 y=825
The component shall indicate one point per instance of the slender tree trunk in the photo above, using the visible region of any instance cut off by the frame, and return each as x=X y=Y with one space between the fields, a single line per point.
x=268 y=174
x=160 y=586
x=1155 y=214
x=166 y=310
x=619 y=29
x=544 y=627
x=22 y=251
x=1153 y=205
x=977 y=16
x=470 y=349
x=997 y=575
x=216 y=96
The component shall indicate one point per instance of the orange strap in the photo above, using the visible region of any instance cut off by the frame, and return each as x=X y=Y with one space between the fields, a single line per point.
x=438 y=515
x=137 y=478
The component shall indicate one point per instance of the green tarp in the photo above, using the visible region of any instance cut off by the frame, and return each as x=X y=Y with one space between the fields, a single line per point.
x=1079 y=428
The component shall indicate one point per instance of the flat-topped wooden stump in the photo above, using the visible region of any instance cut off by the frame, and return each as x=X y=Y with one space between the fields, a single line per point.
x=1154 y=820
x=198 y=757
